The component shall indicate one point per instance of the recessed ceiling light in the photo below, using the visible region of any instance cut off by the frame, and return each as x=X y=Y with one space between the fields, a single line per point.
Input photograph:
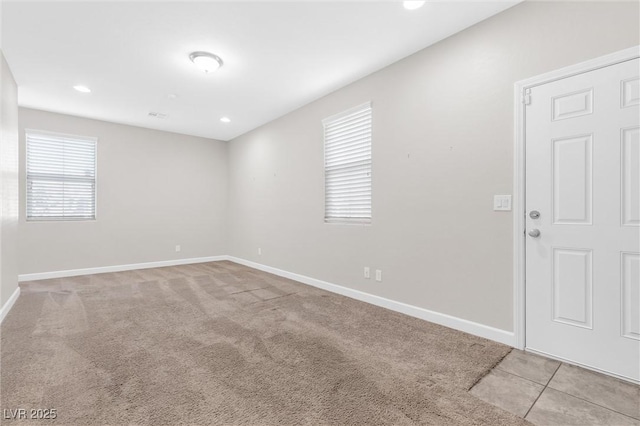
x=207 y=62
x=225 y=120
x=83 y=89
x=413 y=5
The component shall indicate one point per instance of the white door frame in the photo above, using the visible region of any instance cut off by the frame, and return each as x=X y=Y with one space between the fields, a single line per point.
x=522 y=90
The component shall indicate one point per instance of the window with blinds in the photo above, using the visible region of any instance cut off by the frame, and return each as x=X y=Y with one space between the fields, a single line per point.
x=61 y=177
x=347 y=165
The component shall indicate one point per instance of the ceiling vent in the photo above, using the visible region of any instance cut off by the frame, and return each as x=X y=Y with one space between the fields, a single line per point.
x=158 y=115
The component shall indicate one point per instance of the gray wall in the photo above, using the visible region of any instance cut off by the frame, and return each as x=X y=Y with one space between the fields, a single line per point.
x=8 y=182
x=155 y=190
x=442 y=147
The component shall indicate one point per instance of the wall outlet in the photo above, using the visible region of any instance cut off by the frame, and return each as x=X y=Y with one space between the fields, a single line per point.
x=259 y=251
x=367 y=272
x=379 y=275
x=177 y=249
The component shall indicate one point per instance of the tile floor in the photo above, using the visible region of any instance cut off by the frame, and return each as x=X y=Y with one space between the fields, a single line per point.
x=548 y=392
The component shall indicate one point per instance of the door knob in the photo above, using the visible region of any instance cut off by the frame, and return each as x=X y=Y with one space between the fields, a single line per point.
x=534 y=233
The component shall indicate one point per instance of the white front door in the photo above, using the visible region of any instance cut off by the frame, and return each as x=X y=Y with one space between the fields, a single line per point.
x=583 y=198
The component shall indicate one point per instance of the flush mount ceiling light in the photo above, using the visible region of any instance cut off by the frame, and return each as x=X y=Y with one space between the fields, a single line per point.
x=207 y=62
x=83 y=89
x=225 y=120
x=413 y=5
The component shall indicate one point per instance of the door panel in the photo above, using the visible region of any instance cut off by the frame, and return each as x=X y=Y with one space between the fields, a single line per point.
x=630 y=295
x=583 y=176
x=630 y=92
x=573 y=105
x=572 y=175
x=572 y=287
x=630 y=176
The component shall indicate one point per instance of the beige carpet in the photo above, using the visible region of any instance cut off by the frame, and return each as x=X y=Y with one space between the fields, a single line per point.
x=220 y=343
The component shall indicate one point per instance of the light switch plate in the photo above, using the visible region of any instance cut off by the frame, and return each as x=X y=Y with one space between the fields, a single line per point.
x=502 y=203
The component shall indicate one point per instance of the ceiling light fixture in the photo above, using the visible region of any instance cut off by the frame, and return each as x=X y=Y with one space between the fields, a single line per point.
x=207 y=62
x=225 y=120
x=83 y=89
x=413 y=5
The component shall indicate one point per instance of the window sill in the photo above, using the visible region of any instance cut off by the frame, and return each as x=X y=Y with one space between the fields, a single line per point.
x=62 y=219
x=348 y=221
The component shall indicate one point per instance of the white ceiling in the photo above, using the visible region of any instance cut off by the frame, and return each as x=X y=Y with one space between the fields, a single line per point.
x=277 y=56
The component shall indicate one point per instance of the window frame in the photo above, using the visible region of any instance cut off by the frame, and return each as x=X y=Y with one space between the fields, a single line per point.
x=362 y=221
x=35 y=219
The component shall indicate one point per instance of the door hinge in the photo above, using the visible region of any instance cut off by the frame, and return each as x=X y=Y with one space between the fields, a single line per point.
x=526 y=97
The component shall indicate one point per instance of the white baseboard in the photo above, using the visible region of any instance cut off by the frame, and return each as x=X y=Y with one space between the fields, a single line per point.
x=491 y=333
x=117 y=268
x=9 y=304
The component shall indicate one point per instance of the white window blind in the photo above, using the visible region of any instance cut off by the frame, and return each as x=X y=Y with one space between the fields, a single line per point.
x=61 y=177
x=347 y=165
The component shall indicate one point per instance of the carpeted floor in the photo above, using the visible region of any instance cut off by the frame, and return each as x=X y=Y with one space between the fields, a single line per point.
x=220 y=343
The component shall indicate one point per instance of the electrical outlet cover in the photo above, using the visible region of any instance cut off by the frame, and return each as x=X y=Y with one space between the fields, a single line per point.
x=502 y=203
